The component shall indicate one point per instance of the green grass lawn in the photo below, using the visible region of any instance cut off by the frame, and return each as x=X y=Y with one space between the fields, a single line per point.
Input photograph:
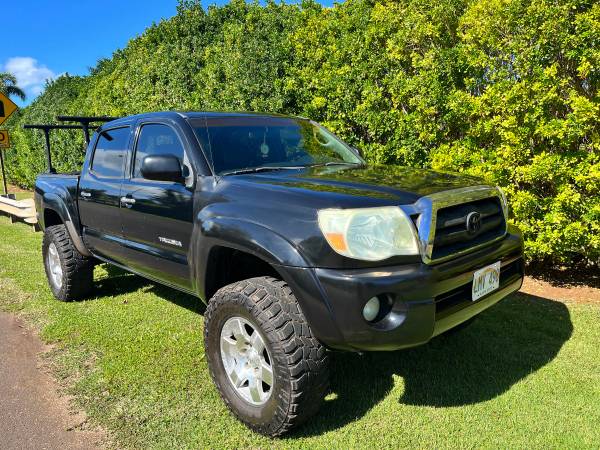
x=18 y=195
x=525 y=375
x=23 y=195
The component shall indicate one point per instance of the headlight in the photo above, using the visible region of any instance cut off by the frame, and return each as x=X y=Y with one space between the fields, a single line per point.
x=370 y=234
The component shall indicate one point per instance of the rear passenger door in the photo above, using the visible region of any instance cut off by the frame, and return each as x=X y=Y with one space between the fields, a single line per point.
x=157 y=216
x=100 y=191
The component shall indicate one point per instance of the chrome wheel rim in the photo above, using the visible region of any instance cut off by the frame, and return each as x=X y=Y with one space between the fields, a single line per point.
x=247 y=361
x=54 y=266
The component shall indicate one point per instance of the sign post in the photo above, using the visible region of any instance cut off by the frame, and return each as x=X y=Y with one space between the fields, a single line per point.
x=7 y=107
x=4 y=143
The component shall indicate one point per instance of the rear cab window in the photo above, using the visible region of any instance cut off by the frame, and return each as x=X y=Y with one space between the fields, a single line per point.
x=110 y=153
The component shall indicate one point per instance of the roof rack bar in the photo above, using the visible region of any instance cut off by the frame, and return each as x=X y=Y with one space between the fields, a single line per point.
x=52 y=127
x=46 y=129
x=85 y=122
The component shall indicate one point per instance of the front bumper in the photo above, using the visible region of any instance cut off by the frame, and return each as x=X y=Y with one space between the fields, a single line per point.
x=426 y=299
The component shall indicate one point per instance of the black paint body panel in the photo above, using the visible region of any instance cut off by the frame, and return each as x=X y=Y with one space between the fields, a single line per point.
x=273 y=216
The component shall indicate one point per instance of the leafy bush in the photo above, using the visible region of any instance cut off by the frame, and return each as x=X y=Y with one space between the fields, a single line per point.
x=28 y=157
x=503 y=89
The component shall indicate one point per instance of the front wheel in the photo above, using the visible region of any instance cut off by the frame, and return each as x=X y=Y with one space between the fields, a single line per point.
x=269 y=369
x=70 y=274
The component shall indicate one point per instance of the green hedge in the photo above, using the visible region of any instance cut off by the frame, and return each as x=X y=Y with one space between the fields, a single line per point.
x=503 y=89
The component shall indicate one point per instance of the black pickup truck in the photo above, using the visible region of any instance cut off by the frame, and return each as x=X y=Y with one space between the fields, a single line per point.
x=293 y=241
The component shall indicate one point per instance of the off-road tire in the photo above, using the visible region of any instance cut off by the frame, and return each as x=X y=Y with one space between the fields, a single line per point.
x=300 y=361
x=77 y=270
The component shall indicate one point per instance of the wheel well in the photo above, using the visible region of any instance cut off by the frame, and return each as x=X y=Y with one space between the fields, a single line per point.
x=228 y=265
x=51 y=217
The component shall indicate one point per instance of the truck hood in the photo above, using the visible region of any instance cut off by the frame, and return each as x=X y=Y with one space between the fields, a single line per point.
x=399 y=184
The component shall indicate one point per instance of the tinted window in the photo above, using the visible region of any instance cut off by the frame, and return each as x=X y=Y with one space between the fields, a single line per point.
x=156 y=139
x=109 y=156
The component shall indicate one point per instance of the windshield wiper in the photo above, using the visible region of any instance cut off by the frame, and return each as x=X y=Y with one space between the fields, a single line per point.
x=336 y=163
x=261 y=169
x=274 y=168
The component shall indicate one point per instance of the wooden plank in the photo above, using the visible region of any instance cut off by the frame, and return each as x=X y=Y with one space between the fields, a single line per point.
x=27 y=203
x=9 y=202
x=21 y=204
x=20 y=213
x=23 y=210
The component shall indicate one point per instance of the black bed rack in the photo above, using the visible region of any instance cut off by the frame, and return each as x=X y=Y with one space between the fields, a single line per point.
x=84 y=124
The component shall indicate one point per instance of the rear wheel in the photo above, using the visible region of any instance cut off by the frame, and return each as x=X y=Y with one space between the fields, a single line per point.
x=268 y=367
x=70 y=274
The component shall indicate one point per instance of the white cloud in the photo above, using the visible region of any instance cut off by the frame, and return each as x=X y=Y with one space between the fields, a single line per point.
x=31 y=75
x=37 y=90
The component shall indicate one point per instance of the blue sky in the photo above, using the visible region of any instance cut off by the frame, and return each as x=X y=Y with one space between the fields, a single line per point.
x=43 y=39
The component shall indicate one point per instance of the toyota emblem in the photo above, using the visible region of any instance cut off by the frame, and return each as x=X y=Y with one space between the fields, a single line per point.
x=473 y=222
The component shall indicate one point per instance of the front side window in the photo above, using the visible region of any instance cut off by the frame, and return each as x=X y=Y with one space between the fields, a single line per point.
x=156 y=139
x=109 y=155
x=238 y=143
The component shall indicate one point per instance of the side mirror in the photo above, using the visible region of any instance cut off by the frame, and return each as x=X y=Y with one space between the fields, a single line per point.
x=162 y=168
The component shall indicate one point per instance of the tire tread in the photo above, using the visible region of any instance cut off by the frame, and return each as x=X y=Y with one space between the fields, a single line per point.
x=279 y=314
x=78 y=270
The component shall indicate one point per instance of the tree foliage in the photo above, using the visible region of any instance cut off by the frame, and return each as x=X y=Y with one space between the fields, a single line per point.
x=9 y=87
x=502 y=89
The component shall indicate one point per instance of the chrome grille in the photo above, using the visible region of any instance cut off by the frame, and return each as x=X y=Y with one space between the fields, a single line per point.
x=452 y=234
x=441 y=220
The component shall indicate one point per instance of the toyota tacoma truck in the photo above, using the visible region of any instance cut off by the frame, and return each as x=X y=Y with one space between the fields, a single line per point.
x=295 y=243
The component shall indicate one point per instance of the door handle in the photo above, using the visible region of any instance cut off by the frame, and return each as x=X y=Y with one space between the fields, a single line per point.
x=127 y=201
x=85 y=194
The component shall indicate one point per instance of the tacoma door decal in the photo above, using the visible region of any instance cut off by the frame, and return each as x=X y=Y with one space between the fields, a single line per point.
x=174 y=242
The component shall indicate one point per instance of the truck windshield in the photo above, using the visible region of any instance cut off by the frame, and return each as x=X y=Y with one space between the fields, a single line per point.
x=246 y=143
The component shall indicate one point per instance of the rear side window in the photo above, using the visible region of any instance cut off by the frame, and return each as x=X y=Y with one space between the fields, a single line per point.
x=109 y=156
x=156 y=139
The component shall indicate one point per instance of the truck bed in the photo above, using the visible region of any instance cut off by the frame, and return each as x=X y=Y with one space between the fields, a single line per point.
x=50 y=182
x=62 y=185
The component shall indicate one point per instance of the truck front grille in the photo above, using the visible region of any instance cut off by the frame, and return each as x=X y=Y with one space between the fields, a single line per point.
x=452 y=234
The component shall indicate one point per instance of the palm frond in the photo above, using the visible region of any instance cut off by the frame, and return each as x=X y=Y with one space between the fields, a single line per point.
x=16 y=91
x=8 y=85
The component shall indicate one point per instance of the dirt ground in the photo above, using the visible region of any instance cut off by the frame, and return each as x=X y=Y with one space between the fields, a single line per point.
x=580 y=289
x=566 y=294
x=33 y=413
x=12 y=189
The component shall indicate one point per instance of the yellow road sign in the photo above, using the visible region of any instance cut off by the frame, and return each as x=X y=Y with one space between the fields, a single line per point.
x=4 y=140
x=7 y=107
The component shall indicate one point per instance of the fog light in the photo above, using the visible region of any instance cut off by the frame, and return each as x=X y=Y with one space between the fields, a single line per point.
x=371 y=309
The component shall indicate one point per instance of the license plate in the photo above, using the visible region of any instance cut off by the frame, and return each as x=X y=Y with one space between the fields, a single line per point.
x=486 y=280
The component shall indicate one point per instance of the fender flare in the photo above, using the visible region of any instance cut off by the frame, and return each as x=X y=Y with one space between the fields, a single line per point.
x=54 y=203
x=243 y=235
x=253 y=238
x=274 y=249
